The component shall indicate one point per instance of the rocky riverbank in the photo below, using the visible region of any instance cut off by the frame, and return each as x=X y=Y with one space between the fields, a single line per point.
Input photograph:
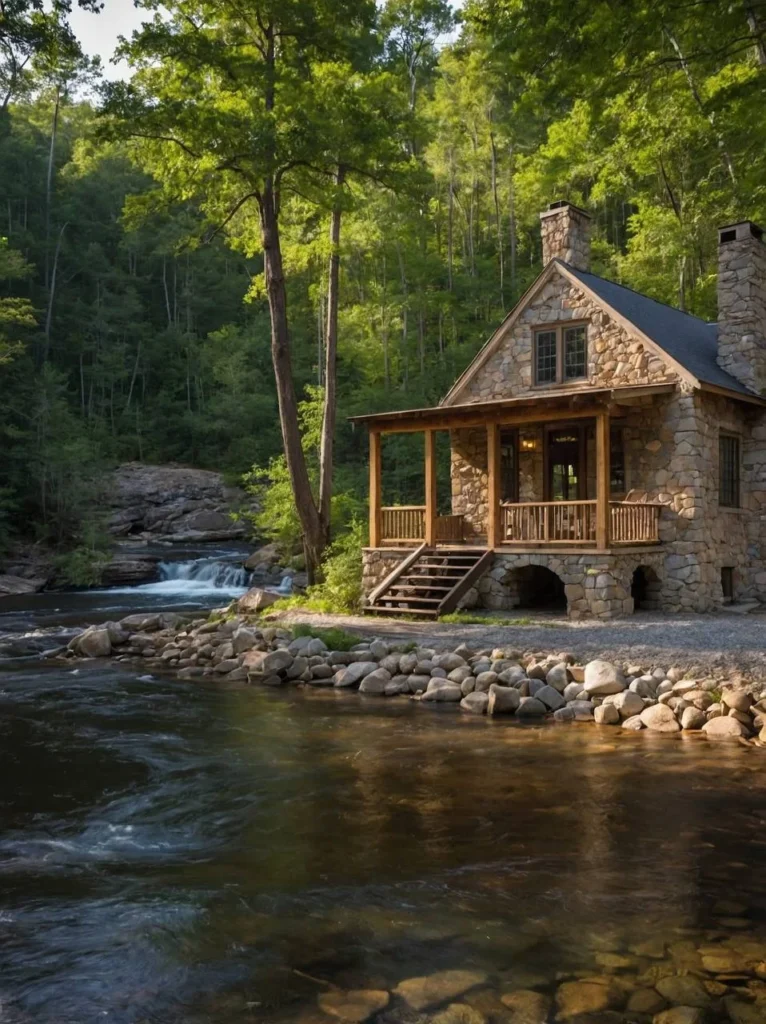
x=530 y=685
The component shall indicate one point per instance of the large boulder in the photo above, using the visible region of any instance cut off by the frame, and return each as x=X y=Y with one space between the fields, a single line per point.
x=550 y=697
x=354 y=673
x=603 y=678
x=724 y=728
x=433 y=989
x=93 y=643
x=256 y=600
x=502 y=700
x=442 y=690
x=375 y=682
x=12 y=585
x=627 y=703
x=659 y=718
x=475 y=703
x=174 y=502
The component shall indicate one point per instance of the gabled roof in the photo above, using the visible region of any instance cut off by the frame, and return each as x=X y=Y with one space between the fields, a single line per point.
x=686 y=341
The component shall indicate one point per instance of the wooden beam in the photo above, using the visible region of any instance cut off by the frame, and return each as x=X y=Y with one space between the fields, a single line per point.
x=493 y=485
x=507 y=419
x=603 y=481
x=430 y=479
x=375 y=491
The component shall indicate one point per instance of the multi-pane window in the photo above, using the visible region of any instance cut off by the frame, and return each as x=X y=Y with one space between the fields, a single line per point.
x=546 y=352
x=728 y=471
x=561 y=354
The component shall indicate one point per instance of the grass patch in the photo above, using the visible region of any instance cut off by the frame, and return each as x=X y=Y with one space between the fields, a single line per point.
x=466 y=619
x=336 y=639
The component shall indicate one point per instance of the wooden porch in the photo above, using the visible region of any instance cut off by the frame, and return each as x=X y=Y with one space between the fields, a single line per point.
x=596 y=524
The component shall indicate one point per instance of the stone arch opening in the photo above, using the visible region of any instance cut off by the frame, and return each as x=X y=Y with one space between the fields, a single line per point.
x=645 y=589
x=536 y=587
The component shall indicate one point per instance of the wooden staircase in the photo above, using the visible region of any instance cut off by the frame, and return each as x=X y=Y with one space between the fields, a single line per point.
x=429 y=582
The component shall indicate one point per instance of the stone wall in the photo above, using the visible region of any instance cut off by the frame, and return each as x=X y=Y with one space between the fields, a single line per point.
x=615 y=358
x=468 y=472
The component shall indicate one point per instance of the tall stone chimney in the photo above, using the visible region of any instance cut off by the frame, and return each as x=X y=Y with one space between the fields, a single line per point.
x=742 y=303
x=566 y=234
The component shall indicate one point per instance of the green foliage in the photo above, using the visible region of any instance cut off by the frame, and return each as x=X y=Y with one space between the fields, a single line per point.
x=341 y=585
x=490 y=619
x=84 y=563
x=336 y=639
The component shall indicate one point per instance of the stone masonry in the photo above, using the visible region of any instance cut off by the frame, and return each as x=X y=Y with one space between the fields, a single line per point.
x=742 y=304
x=565 y=231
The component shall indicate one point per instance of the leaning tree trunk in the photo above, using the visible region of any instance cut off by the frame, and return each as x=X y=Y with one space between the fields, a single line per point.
x=313 y=540
x=330 y=375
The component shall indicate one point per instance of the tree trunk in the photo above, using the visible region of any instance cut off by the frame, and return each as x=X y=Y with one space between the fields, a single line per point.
x=49 y=186
x=276 y=291
x=756 y=31
x=330 y=373
x=52 y=293
x=512 y=224
x=498 y=220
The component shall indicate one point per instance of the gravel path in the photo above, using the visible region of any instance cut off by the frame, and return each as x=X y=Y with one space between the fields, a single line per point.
x=709 y=644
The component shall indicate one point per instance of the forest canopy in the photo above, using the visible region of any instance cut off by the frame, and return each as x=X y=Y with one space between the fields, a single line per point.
x=136 y=317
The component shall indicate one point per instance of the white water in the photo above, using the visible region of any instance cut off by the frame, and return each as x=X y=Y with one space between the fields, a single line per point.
x=196 y=577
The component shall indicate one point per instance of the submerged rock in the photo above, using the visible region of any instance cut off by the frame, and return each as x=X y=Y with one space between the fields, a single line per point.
x=432 y=989
x=355 y=1005
x=724 y=728
x=574 y=998
x=526 y=1006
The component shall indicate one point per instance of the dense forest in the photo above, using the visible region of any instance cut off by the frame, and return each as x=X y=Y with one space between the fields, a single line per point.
x=403 y=152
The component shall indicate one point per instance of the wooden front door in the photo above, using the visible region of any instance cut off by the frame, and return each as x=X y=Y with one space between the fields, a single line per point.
x=565 y=464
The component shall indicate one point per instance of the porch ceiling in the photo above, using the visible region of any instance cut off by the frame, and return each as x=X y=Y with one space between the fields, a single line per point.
x=575 y=402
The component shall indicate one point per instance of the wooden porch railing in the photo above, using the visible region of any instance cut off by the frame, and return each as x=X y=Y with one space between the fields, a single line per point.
x=403 y=524
x=633 y=522
x=549 y=522
x=574 y=522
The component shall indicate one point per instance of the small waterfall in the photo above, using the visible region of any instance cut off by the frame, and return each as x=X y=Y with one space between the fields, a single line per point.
x=206 y=573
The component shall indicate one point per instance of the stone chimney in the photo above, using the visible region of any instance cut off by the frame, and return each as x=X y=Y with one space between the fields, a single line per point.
x=566 y=234
x=742 y=303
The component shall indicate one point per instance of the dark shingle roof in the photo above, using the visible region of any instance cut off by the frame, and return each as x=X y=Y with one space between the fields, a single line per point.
x=690 y=341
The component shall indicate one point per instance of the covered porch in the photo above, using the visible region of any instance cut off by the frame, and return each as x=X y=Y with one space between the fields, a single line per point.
x=540 y=473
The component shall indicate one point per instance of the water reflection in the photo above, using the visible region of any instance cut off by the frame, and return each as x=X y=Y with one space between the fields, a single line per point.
x=174 y=853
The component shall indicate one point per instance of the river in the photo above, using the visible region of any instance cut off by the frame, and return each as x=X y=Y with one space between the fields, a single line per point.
x=187 y=854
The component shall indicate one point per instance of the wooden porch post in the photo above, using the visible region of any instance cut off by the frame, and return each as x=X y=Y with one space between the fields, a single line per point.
x=493 y=485
x=603 y=480
x=430 y=475
x=374 y=489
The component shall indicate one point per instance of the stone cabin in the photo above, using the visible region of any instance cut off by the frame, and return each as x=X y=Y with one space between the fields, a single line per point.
x=608 y=452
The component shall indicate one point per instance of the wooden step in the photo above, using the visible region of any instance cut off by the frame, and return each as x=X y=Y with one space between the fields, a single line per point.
x=428 y=582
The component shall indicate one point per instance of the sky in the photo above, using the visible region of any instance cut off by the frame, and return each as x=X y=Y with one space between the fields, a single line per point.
x=98 y=33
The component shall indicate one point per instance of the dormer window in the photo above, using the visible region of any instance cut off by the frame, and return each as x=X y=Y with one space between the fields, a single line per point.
x=561 y=354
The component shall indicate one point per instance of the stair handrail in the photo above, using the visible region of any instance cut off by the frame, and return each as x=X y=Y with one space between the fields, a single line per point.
x=396 y=572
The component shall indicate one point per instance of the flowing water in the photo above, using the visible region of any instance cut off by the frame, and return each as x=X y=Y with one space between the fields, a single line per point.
x=185 y=854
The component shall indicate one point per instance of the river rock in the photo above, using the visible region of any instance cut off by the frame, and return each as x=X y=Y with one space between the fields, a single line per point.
x=526 y=1006
x=422 y=993
x=581 y=709
x=418 y=684
x=442 y=691
x=692 y=718
x=684 y=990
x=256 y=599
x=484 y=680
x=512 y=676
x=603 y=678
x=550 y=697
x=503 y=700
x=459 y=1013
x=574 y=998
x=354 y=674
x=375 y=682
x=399 y=684
x=124 y=571
x=634 y=724
x=659 y=718
x=475 y=702
x=355 y=1005
x=407 y=663
x=391 y=663
x=680 y=1015
x=244 y=639
x=573 y=691
x=565 y=714
x=627 y=703
x=558 y=677
x=606 y=714
x=94 y=643
x=645 y=1000
x=737 y=700
x=263 y=558
x=449 y=662
x=268 y=662
x=531 y=707
x=724 y=728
